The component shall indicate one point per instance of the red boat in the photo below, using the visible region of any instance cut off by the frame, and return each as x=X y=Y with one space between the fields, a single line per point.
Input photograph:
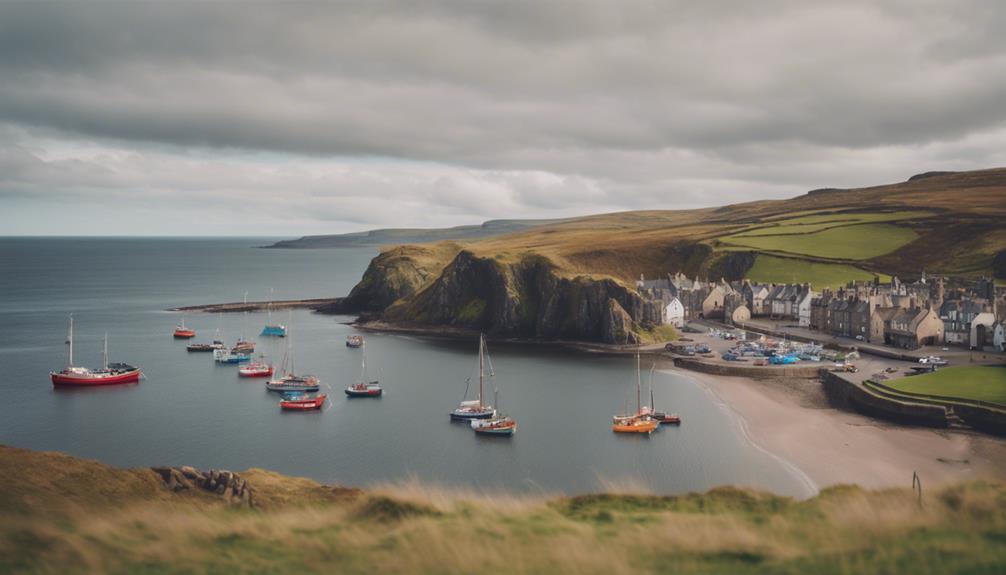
x=182 y=332
x=109 y=374
x=255 y=369
x=305 y=404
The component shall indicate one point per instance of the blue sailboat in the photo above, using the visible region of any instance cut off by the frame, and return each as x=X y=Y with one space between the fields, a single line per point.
x=272 y=330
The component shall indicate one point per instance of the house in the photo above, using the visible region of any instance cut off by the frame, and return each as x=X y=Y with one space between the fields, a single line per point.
x=999 y=336
x=914 y=328
x=982 y=329
x=712 y=305
x=803 y=308
x=880 y=321
x=740 y=315
x=957 y=315
x=754 y=296
x=674 y=313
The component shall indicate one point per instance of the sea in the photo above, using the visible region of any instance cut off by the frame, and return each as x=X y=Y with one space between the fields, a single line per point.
x=187 y=410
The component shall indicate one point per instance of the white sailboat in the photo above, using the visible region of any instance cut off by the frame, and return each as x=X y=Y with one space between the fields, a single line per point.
x=475 y=409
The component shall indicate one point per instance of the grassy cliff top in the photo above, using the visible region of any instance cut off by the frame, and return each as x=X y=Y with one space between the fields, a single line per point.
x=944 y=223
x=60 y=514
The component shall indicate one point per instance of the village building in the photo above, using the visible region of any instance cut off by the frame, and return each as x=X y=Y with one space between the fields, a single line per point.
x=674 y=313
x=914 y=328
x=999 y=336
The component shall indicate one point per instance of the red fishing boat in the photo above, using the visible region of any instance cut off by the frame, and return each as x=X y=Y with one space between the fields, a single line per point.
x=256 y=369
x=108 y=374
x=305 y=404
x=182 y=332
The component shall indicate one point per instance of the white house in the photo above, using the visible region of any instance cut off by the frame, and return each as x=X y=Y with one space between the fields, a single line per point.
x=674 y=313
x=999 y=336
x=803 y=308
x=982 y=330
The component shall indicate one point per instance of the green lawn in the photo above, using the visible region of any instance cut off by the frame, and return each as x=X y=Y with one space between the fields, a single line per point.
x=820 y=275
x=981 y=383
x=854 y=242
x=818 y=223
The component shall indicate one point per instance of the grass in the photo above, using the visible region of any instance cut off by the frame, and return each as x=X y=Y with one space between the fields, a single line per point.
x=421 y=529
x=856 y=242
x=768 y=269
x=817 y=223
x=982 y=383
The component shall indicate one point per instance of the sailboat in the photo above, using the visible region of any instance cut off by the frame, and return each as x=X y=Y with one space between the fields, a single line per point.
x=243 y=346
x=182 y=332
x=109 y=374
x=662 y=417
x=271 y=329
x=364 y=388
x=498 y=424
x=640 y=422
x=289 y=380
x=475 y=409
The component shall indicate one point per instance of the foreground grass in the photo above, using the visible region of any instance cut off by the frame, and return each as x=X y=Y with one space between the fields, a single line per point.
x=47 y=526
x=775 y=269
x=983 y=383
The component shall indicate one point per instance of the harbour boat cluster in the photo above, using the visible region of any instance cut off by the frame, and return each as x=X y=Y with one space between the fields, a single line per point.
x=302 y=392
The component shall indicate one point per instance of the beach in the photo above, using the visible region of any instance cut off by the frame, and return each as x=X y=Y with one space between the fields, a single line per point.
x=792 y=420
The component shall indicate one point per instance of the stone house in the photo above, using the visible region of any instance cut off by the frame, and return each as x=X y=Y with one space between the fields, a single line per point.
x=803 y=308
x=880 y=321
x=982 y=330
x=914 y=328
x=957 y=315
x=712 y=304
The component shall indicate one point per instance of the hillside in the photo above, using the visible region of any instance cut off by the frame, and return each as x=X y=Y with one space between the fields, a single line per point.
x=389 y=236
x=573 y=279
x=60 y=514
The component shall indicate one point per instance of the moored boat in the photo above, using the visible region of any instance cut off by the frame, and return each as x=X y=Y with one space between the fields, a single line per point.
x=661 y=417
x=498 y=424
x=256 y=369
x=271 y=329
x=229 y=356
x=182 y=332
x=364 y=388
x=290 y=382
x=475 y=409
x=108 y=374
x=206 y=347
x=641 y=421
x=354 y=341
x=303 y=404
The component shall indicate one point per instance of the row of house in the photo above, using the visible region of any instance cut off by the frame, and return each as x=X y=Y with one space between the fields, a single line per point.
x=927 y=311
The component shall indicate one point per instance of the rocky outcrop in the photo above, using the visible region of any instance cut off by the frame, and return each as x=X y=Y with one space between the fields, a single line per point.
x=526 y=299
x=392 y=275
x=229 y=486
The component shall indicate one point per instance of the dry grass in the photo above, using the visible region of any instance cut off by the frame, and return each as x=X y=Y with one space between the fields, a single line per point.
x=410 y=527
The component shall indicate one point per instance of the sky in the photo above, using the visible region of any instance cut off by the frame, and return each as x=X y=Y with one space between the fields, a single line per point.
x=290 y=118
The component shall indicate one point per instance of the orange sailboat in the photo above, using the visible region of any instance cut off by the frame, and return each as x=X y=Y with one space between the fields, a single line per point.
x=640 y=422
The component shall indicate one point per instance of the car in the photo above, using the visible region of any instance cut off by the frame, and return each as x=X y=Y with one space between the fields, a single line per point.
x=945 y=349
x=859 y=337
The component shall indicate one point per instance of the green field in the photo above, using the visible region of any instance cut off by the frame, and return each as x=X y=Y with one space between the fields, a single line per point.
x=809 y=224
x=768 y=269
x=854 y=242
x=982 y=383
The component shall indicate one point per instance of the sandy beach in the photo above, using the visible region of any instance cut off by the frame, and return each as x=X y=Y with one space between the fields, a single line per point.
x=792 y=420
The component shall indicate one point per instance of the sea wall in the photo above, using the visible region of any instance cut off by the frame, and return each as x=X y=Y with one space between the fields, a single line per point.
x=742 y=370
x=875 y=404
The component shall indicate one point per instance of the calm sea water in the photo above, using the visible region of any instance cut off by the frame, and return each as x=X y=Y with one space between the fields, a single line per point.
x=190 y=411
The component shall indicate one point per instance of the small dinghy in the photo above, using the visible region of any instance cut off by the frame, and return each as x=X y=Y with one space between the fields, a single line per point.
x=354 y=341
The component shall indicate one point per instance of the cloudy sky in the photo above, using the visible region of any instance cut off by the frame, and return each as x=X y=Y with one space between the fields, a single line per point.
x=237 y=118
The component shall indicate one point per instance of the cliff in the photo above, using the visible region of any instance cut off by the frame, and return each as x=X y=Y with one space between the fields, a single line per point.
x=525 y=298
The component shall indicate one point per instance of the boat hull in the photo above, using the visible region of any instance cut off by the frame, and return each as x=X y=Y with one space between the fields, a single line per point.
x=645 y=427
x=303 y=404
x=364 y=393
x=281 y=387
x=273 y=331
x=470 y=415
x=90 y=380
x=242 y=372
x=184 y=334
x=506 y=428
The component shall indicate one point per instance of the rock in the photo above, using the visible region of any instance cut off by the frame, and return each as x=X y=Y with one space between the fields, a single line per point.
x=190 y=472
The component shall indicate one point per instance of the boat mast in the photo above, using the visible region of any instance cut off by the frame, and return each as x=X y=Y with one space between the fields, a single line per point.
x=639 y=382
x=104 y=354
x=363 y=363
x=482 y=343
x=70 y=338
x=653 y=406
x=244 y=317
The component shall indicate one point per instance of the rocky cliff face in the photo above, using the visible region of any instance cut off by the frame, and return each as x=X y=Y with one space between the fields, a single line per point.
x=526 y=299
x=394 y=274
